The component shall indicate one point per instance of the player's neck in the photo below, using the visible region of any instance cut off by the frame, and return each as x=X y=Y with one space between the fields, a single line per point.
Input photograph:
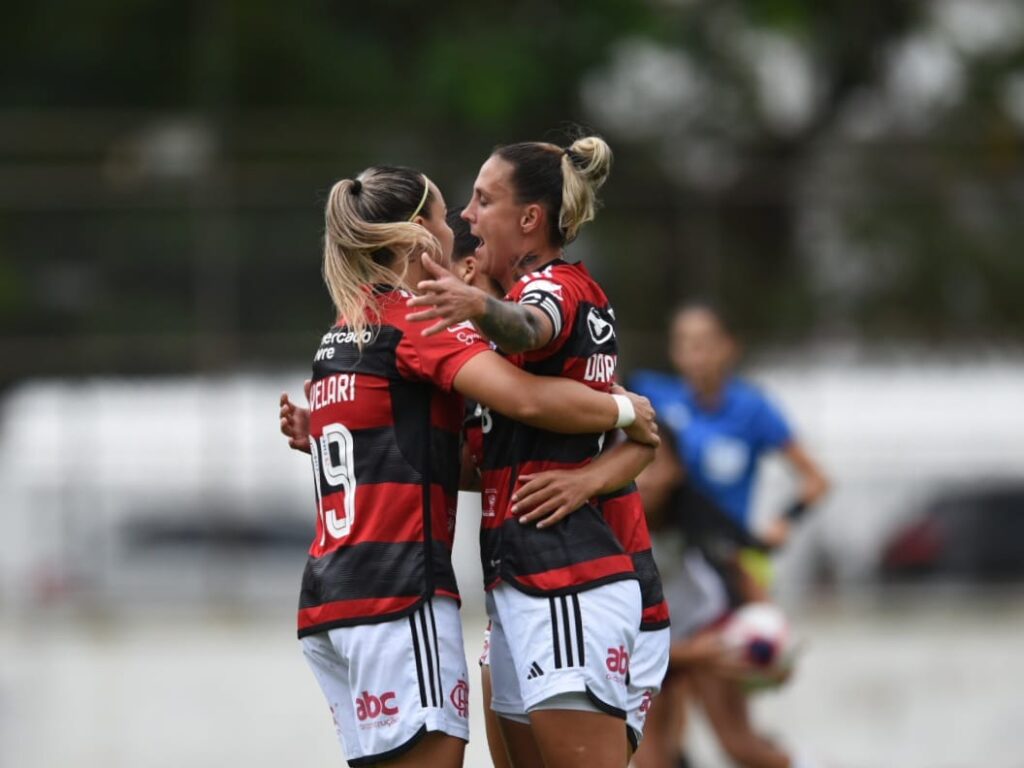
x=534 y=260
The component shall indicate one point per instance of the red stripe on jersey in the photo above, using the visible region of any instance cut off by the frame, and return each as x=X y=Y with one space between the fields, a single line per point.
x=343 y=610
x=655 y=616
x=533 y=467
x=372 y=408
x=379 y=516
x=577 y=573
x=625 y=516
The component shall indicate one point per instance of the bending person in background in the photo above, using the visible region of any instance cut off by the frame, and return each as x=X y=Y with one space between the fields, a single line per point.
x=378 y=611
x=564 y=610
x=720 y=428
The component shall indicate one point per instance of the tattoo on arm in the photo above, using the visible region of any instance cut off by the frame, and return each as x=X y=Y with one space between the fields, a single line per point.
x=512 y=327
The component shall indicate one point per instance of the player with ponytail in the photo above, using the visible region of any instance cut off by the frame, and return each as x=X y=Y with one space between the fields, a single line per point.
x=563 y=594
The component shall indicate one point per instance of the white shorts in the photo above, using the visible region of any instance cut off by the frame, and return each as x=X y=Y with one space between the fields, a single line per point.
x=388 y=684
x=547 y=647
x=647 y=670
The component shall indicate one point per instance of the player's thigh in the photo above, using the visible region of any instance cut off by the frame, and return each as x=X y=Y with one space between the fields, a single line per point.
x=518 y=739
x=577 y=739
x=495 y=741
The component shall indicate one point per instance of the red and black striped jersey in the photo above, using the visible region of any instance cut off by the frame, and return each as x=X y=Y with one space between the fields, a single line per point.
x=384 y=438
x=581 y=551
x=624 y=512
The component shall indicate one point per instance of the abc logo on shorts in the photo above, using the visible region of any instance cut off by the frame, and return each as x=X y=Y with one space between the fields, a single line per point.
x=369 y=707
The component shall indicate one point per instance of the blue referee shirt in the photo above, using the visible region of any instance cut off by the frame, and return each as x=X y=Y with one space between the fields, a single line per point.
x=720 y=447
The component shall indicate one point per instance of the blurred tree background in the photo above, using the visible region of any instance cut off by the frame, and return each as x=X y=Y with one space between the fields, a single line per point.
x=826 y=170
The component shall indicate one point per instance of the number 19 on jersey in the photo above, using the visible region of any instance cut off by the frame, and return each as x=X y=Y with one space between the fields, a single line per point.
x=334 y=465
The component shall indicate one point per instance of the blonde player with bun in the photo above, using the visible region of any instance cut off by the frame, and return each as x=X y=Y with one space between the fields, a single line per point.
x=563 y=595
x=378 y=610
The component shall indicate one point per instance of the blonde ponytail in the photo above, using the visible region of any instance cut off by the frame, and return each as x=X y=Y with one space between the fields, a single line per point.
x=359 y=254
x=585 y=168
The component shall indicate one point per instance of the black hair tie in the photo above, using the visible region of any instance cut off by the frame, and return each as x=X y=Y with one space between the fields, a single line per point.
x=357 y=187
x=574 y=158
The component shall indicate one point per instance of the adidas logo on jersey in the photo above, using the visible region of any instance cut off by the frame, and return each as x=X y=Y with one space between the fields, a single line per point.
x=535 y=671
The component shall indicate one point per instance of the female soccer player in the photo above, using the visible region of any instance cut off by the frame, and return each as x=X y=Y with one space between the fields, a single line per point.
x=378 y=612
x=722 y=426
x=563 y=601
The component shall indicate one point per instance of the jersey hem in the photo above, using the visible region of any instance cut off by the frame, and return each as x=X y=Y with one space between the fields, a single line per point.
x=654 y=626
x=356 y=621
x=569 y=590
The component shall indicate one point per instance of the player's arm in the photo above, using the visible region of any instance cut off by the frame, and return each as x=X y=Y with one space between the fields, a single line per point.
x=813 y=487
x=553 y=403
x=513 y=327
x=547 y=497
x=295 y=420
x=813 y=483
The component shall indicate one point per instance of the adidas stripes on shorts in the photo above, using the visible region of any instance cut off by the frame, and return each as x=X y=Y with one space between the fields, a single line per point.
x=546 y=647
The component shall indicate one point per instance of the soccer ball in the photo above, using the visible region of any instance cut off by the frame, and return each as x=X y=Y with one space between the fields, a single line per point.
x=758 y=635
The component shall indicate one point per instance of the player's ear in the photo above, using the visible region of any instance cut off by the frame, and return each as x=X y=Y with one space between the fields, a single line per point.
x=532 y=218
x=470 y=267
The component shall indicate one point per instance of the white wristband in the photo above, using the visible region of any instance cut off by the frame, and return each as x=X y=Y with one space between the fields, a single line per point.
x=626 y=413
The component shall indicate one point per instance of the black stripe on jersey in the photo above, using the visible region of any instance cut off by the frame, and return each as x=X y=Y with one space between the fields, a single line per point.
x=437 y=650
x=419 y=660
x=623 y=491
x=428 y=654
x=375 y=569
x=526 y=549
x=579 y=628
x=566 y=631
x=554 y=634
x=510 y=443
x=651 y=592
x=380 y=458
x=374 y=359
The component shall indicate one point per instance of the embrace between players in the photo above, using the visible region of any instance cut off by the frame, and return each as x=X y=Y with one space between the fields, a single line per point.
x=578 y=635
